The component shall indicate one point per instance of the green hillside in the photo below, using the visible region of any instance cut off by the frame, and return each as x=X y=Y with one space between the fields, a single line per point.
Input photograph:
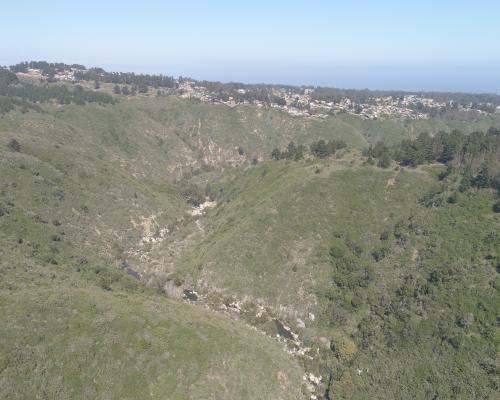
x=394 y=130
x=81 y=189
x=390 y=270
x=325 y=277
x=82 y=331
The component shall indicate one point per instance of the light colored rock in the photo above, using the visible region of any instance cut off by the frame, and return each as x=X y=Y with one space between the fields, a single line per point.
x=316 y=380
x=197 y=211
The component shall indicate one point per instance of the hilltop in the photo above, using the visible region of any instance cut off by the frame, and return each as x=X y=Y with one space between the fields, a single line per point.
x=304 y=101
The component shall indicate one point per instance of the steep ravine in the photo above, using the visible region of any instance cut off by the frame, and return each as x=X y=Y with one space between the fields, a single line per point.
x=257 y=316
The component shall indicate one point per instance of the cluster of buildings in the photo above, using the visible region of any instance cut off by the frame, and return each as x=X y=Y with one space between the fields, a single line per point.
x=296 y=102
x=189 y=90
x=303 y=104
x=65 y=75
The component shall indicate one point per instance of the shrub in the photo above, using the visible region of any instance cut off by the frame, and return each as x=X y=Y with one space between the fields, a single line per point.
x=343 y=347
x=14 y=145
x=385 y=235
x=353 y=246
x=432 y=198
x=193 y=195
x=336 y=252
x=380 y=253
x=453 y=199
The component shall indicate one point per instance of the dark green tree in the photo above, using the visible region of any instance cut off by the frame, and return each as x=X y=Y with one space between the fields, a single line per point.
x=276 y=154
x=319 y=149
x=7 y=77
x=384 y=160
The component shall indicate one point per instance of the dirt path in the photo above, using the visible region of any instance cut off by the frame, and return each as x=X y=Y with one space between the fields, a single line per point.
x=392 y=180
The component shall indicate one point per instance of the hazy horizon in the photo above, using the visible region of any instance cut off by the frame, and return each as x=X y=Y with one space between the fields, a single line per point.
x=450 y=46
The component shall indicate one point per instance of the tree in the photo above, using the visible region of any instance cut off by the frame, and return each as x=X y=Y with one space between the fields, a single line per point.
x=299 y=152
x=466 y=181
x=384 y=160
x=276 y=154
x=125 y=91
x=379 y=149
x=319 y=149
x=408 y=153
x=290 y=151
x=451 y=143
x=97 y=85
x=482 y=179
x=7 y=77
x=117 y=90
x=425 y=148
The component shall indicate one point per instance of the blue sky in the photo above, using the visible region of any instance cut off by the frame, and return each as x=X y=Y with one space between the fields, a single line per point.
x=428 y=45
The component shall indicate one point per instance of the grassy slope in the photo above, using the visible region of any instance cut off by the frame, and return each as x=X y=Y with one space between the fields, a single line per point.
x=275 y=220
x=421 y=319
x=66 y=179
x=64 y=336
x=86 y=178
x=393 y=131
x=436 y=334
x=71 y=325
x=218 y=131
